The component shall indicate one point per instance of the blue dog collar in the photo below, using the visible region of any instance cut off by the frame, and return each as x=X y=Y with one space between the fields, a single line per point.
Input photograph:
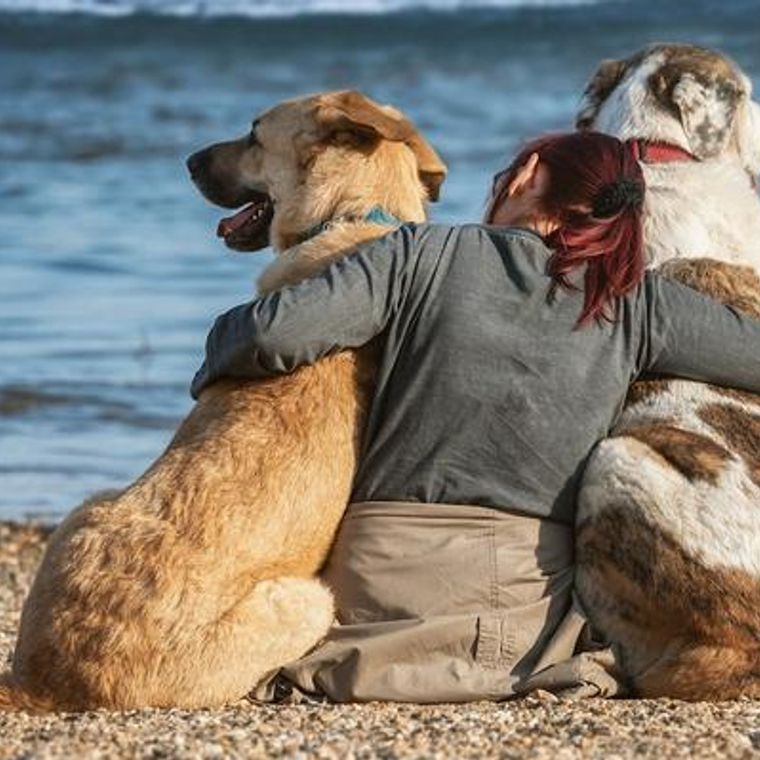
x=376 y=215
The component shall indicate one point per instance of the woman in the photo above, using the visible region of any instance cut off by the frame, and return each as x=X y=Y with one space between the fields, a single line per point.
x=509 y=348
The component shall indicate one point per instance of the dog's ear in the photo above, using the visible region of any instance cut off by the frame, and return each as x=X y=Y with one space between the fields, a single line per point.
x=351 y=117
x=748 y=134
x=599 y=88
x=706 y=107
x=430 y=167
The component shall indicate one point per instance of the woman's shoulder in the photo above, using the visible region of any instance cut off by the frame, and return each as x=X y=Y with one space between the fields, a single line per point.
x=472 y=232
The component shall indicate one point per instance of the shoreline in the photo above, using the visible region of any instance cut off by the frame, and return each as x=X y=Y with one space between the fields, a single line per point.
x=540 y=727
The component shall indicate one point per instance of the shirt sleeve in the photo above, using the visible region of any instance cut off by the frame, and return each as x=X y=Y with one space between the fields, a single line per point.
x=343 y=307
x=690 y=335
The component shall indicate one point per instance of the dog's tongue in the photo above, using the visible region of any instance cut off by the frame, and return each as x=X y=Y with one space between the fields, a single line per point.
x=229 y=224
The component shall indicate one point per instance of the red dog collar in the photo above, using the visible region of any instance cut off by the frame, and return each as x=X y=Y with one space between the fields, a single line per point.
x=666 y=153
x=660 y=152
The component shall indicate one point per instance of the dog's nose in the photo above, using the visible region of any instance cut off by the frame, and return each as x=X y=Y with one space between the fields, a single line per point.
x=197 y=162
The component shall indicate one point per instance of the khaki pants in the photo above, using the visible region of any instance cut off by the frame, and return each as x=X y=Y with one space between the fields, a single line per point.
x=445 y=603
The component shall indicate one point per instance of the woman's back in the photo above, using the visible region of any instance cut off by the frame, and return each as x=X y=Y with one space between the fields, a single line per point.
x=487 y=395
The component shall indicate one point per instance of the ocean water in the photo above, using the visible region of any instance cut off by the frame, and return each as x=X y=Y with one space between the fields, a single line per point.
x=110 y=273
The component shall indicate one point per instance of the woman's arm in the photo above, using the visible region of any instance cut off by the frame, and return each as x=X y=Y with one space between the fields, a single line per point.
x=690 y=335
x=343 y=307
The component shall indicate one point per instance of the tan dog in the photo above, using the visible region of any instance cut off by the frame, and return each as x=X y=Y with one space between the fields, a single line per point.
x=669 y=511
x=193 y=583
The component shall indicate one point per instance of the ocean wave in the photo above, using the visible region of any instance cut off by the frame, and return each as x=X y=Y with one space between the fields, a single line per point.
x=269 y=8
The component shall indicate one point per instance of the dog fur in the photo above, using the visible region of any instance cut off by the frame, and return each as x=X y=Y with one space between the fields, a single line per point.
x=668 y=541
x=189 y=586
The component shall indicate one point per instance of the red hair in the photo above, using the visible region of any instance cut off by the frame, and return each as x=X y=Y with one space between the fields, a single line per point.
x=595 y=191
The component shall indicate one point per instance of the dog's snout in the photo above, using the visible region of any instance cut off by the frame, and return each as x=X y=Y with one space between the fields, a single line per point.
x=215 y=171
x=198 y=162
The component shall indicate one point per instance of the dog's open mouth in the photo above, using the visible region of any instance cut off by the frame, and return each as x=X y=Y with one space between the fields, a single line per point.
x=248 y=229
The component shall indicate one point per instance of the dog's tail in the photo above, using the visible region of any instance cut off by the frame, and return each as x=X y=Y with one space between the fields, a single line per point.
x=702 y=672
x=15 y=699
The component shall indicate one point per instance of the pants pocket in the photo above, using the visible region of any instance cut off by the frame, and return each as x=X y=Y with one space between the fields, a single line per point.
x=495 y=645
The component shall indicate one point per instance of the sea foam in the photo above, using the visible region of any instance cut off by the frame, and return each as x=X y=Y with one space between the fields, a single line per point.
x=267 y=8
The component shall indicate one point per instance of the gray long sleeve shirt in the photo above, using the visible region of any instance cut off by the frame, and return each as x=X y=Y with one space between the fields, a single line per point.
x=487 y=392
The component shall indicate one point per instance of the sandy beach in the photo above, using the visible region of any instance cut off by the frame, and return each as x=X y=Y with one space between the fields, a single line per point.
x=539 y=727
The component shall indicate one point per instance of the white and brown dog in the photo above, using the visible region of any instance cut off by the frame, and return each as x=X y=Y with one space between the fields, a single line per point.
x=669 y=509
